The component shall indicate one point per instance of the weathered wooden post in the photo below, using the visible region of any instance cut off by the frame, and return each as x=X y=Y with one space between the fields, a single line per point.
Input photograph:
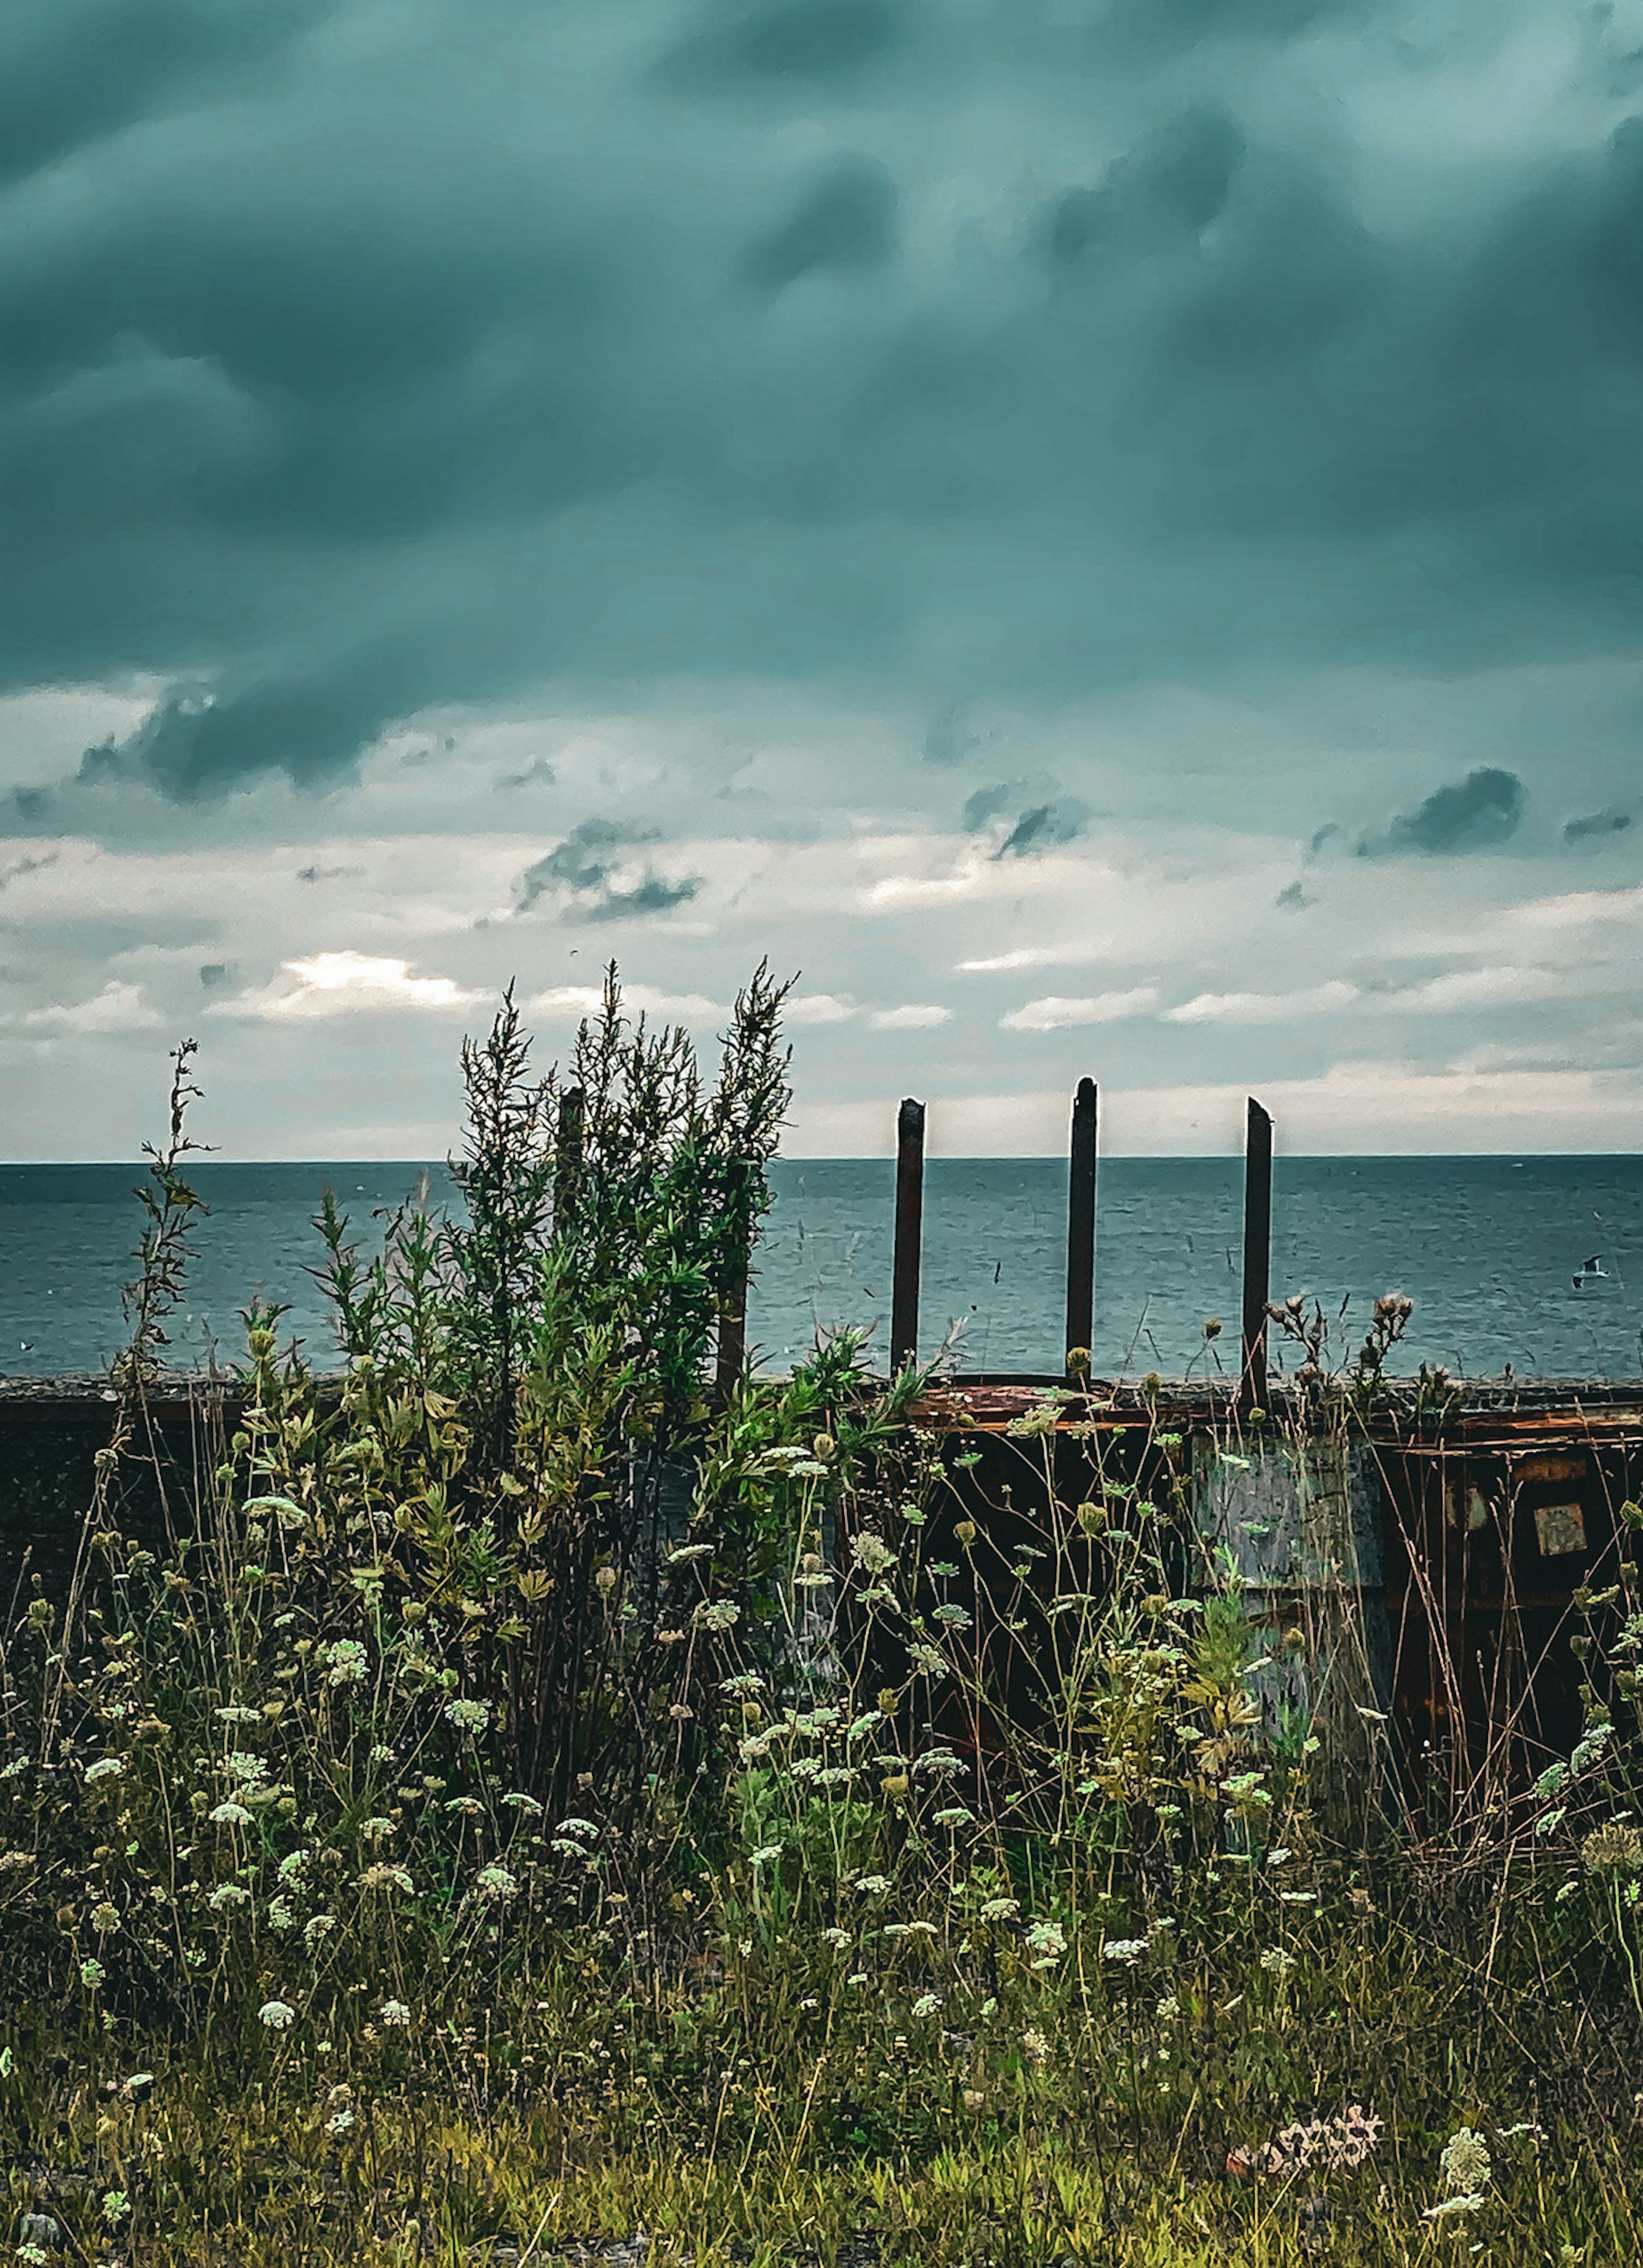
x=1081 y=1226
x=1257 y=1242
x=909 y=1213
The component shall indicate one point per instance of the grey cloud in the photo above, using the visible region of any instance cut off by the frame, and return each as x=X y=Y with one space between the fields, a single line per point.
x=953 y=737
x=1600 y=825
x=1171 y=185
x=847 y=220
x=579 y=872
x=322 y=426
x=985 y=804
x=1293 y=898
x=1043 y=826
x=803 y=42
x=214 y=974
x=1478 y=813
x=538 y=773
x=74 y=70
x=327 y=873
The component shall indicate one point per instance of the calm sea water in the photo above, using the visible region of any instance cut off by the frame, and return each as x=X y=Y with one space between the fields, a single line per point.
x=1486 y=1248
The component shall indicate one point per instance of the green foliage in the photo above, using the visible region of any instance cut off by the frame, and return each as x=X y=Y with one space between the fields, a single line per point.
x=531 y=1793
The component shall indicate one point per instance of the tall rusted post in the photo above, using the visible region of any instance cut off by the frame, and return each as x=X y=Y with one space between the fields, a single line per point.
x=1081 y=1226
x=909 y=1214
x=568 y=1140
x=1257 y=1246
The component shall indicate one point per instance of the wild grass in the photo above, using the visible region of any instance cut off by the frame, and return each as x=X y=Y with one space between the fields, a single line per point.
x=532 y=1804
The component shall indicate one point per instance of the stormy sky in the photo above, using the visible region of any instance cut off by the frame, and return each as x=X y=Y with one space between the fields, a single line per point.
x=1107 y=535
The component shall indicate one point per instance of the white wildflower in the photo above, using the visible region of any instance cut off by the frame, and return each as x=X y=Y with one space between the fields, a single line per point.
x=1453 y=2205
x=277 y=2014
x=1464 y=2161
x=230 y=1814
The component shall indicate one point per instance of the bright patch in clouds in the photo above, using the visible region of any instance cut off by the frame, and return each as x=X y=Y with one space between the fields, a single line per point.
x=586 y=1000
x=347 y=984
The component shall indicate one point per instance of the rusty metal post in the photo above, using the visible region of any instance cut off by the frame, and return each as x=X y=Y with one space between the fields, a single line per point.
x=568 y=1140
x=1081 y=1225
x=909 y=1213
x=1257 y=1246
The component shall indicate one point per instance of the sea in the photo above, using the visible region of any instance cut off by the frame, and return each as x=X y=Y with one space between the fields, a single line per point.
x=1488 y=1248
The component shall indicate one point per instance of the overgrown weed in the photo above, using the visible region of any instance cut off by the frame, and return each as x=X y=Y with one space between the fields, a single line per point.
x=534 y=1801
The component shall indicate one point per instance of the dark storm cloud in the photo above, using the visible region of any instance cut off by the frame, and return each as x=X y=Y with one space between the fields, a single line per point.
x=577 y=874
x=357 y=361
x=1043 y=826
x=214 y=974
x=1478 y=813
x=74 y=70
x=985 y=804
x=805 y=43
x=1600 y=825
x=847 y=220
x=1172 y=185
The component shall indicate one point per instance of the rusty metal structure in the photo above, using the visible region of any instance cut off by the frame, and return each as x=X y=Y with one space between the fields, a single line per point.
x=1455 y=1558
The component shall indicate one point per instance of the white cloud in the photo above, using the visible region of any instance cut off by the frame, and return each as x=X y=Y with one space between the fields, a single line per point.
x=914 y=1017
x=1473 y=988
x=346 y=984
x=581 y=1000
x=927 y=889
x=1054 y=1014
x=1261 y=1007
x=1027 y=956
x=1582 y=909
x=1349 y=1110
x=819 y=1008
x=117 y=1008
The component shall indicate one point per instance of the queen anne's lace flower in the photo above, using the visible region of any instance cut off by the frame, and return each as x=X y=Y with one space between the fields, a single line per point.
x=277 y=2014
x=1464 y=2161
